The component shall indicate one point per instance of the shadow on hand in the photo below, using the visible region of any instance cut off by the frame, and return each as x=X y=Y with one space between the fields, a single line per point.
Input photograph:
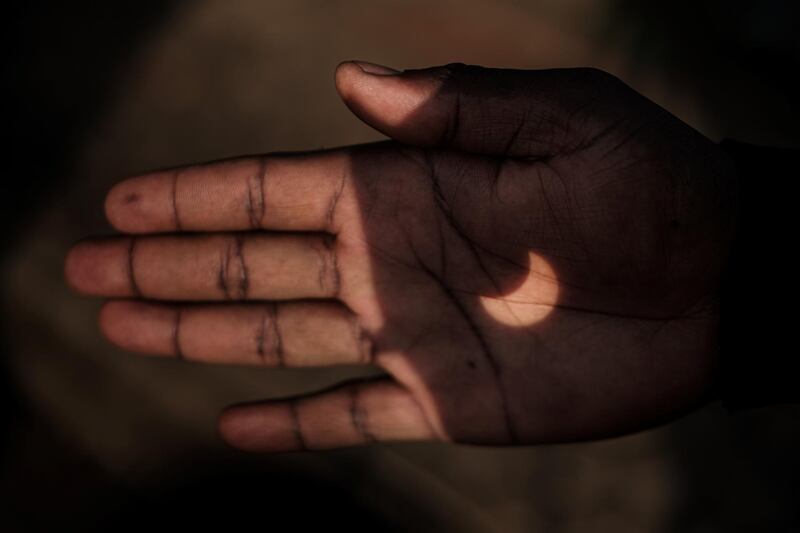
x=552 y=297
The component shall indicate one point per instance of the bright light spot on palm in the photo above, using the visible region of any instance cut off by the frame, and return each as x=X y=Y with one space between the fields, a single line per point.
x=529 y=303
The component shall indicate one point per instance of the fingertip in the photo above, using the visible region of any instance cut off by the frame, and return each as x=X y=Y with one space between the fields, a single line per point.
x=140 y=327
x=256 y=427
x=345 y=77
x=239 y=426
x=142 y=204
x=111 y=319
x=72 y=267
x=366 y=67
x=118 y=197
x=227 y=428
x=85 y=269
x=393 y=102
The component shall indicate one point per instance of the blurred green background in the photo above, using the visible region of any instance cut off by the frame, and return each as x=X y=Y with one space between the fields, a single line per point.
x=97 y=439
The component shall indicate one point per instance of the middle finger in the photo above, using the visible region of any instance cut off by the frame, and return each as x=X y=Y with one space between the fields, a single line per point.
x=231 y=266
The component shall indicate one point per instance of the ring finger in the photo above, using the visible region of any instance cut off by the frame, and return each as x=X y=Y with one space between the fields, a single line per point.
x=291 y=334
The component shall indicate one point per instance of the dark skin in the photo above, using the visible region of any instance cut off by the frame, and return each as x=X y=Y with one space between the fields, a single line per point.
x=534 y=257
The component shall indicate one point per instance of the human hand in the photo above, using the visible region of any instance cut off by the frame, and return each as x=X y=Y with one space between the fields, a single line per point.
x=534 y=258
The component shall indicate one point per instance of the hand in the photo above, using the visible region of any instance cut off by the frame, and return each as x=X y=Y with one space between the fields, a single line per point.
x=534 y=258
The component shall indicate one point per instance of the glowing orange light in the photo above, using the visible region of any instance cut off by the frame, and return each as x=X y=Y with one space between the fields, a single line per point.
x=529 y=303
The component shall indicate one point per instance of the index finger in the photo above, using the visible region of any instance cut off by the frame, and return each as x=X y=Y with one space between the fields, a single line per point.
x=291 y=192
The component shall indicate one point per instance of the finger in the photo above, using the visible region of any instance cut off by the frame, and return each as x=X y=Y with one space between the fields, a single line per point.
x=348 y=415
x=280 y=192
x=291 y=334
x=519 y=113
x=207 y=267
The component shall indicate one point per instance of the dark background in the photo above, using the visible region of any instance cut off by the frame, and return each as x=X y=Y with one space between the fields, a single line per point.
x=95 y=438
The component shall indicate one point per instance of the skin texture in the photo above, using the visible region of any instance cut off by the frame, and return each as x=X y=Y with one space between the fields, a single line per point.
x=534 y=256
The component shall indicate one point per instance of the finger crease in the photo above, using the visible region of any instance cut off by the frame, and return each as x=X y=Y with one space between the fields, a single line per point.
x=453 y=124
x=331 y=214
x=277 y=340
x=358 y=416
x=222 y=278
x=297 y=429
x=232 y=278
x=261 y=334
x=176 y=333
x=244 y=281
x=255 y=196
x=329 y=281
x=364 y=342
x=513 y=140
x=176 y=218
x=131 y=272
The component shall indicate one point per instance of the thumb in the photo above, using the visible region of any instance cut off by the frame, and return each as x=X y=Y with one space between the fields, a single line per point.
x=503 y=112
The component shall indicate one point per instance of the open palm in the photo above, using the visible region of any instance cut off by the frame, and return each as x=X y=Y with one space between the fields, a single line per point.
x=534 y=257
